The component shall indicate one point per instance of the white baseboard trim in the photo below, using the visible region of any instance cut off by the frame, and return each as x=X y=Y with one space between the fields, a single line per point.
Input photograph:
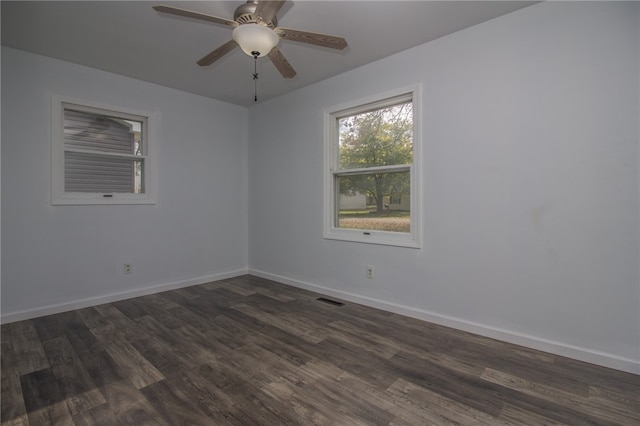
x=114 y=297
x=557 y=348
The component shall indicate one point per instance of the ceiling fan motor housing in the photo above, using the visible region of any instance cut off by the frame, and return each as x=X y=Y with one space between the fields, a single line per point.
x=246 y=14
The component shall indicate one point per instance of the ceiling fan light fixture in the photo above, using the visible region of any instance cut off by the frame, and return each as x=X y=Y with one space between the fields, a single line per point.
x=254 y=38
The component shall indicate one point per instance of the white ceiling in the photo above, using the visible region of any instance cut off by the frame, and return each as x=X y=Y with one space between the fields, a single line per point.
x=131 y=39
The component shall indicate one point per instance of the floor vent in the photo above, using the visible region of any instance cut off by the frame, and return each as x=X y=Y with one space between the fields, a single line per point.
x=329 y=301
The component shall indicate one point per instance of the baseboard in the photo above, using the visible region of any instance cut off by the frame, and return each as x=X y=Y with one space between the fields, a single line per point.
x=557 y=348
x=114 y=297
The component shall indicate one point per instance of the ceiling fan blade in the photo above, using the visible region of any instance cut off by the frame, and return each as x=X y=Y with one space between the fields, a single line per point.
x=317 y=39
x=195 y=15
x=267 y=9
x=218 y=53
x=281 y=63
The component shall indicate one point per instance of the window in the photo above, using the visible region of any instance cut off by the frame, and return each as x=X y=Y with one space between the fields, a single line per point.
x=101 y=155
x=395 y=199
x=371 y=171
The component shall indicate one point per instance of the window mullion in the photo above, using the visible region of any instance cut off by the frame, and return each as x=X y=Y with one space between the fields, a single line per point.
x=106 y=154
x=372 y=170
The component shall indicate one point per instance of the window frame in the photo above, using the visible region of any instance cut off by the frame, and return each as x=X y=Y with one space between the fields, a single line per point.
x=411 y=239
x=150 y=124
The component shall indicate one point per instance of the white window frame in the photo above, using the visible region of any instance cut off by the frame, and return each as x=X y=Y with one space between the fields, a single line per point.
x=151 y=122
x=411 y=239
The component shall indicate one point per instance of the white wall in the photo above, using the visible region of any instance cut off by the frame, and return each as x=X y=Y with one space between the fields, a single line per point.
x=531 y=185
x=58 y=257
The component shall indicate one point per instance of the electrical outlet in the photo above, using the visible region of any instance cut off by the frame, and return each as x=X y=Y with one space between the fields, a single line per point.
x=126 y=268
x=370 y=271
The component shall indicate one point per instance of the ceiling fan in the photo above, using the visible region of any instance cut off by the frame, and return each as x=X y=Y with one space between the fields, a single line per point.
x=256 y=31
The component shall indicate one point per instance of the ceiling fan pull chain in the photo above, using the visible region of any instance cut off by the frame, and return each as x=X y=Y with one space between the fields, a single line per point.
x=255 y=75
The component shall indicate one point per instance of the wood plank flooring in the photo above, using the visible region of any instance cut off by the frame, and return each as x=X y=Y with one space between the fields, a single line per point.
x=248 y=351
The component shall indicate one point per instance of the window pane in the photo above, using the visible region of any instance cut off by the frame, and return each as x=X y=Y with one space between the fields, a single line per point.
x=382 y=137
x=376 y=201
x=101 y=173
x=97 y=132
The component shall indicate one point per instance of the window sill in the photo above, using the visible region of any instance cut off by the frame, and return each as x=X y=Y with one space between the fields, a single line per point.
x=373 y=237
x=93 y=199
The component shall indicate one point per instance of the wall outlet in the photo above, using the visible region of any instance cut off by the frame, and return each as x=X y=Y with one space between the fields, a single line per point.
x=126 y=268
x=370 y=271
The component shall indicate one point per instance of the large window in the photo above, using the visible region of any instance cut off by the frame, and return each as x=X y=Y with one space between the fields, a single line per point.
x=371 y=173
x=101 y=155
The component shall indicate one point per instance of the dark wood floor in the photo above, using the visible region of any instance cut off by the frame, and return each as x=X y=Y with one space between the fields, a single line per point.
x=251 y=351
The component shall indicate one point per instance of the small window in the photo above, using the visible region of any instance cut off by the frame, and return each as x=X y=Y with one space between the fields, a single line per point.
x=101 y=155
x=371 y=184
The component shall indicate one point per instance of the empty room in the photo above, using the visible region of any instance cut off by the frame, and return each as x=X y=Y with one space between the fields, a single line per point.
x=320 y=212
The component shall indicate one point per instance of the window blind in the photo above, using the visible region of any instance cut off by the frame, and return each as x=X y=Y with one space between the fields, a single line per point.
x=99 y=153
